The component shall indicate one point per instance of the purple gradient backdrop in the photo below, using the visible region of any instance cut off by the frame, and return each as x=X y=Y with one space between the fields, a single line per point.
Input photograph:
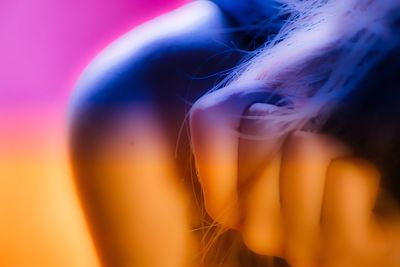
x=46 y=43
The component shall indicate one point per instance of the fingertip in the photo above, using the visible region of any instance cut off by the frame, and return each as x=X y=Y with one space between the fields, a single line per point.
x=363 y=172
x=351 y=189
x=259 y=242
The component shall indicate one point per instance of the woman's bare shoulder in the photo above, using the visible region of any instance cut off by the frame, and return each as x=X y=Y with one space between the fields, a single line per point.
x=183 y=38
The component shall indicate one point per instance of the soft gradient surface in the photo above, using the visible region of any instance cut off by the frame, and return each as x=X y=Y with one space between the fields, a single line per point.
x=44 y=47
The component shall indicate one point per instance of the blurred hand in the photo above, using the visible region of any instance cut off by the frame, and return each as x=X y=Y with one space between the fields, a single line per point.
x=303 y=198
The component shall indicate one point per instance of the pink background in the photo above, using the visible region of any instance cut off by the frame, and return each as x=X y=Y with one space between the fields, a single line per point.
x=44 y=46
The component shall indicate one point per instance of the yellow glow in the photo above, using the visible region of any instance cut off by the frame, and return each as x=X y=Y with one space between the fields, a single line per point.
x=41 y=223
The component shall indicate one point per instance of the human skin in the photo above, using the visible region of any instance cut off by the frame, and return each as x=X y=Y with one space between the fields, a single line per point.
x=126 y=116
x=306 y=199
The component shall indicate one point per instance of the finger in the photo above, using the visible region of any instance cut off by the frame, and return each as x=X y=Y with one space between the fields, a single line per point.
x=262 y=227
x=305 y=161
x=214 y=124
x=259 y=166
x=350 y=194
x=260 y=138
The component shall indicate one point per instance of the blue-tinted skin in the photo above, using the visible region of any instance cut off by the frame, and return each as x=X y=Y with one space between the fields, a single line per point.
x=167 y=70
x=249 y=12
x=164 y=66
